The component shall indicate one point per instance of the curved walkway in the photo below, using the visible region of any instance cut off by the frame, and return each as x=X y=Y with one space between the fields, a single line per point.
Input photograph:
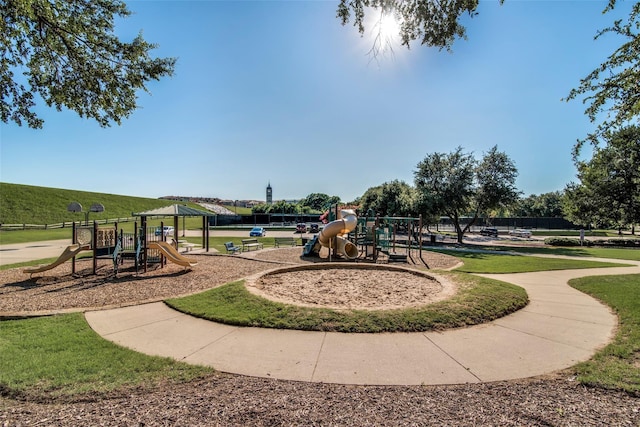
x=559 y=328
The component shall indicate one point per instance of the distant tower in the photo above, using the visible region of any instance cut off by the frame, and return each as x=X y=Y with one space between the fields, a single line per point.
x=269 y=194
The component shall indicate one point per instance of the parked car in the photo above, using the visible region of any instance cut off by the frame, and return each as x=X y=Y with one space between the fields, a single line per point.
x=489 y=231
x=301 y=227
x=315 y=228
x=257 y=232
x=520 y=232
x=166 y=230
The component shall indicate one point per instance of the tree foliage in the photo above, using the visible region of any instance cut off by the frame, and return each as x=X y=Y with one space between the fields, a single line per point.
x=395 y=198
x=68 y=55
x=314 y=202
x=608 y=193
x=613 y=87
x=540 y=206
x=433 y=23
x=319 y=201
x=459 y=186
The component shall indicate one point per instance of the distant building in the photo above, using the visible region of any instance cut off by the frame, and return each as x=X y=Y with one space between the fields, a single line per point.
x=269 y=194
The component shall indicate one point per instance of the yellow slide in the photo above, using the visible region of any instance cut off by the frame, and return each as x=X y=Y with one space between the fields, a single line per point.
x=172 y=254
x=68 y=253
x=331 y=234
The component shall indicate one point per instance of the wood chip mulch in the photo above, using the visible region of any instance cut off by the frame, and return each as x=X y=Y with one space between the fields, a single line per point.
x=232 y=400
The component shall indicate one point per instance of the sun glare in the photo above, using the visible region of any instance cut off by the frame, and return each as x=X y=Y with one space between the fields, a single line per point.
x=389 y=27
x=385 y=33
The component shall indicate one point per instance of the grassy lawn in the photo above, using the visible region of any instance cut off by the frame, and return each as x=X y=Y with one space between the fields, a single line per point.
x=478 y=262
x=613 y=253
x=617 y=366
x=479 y=300
x=61 y=355
x=26 y=236
x=217 y=242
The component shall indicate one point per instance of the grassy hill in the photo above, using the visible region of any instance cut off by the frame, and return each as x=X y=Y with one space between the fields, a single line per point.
x=25 y=204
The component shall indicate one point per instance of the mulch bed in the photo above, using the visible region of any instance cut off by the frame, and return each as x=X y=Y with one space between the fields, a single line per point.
x=233 y=400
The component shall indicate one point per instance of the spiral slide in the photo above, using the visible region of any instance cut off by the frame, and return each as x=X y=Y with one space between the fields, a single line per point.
x=331 y=234
x=172 y=254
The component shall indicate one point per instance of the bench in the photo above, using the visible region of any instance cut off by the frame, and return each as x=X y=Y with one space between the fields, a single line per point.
x=248 y=244
x=188 y=246
x=185 y=245
x=232 y=248
x=285 y=241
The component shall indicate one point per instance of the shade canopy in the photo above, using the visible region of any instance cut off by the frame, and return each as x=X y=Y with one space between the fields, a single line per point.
x=174 y=210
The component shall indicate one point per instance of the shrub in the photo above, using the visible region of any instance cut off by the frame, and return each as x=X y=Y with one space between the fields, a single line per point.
x=626 y=243
x=565 y=241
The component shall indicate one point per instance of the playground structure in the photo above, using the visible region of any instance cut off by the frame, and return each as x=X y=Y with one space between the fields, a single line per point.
x=334 y=236
x=352 y=237
x=144 y=246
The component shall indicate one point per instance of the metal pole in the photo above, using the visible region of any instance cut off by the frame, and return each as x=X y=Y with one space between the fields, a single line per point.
x=420 y=235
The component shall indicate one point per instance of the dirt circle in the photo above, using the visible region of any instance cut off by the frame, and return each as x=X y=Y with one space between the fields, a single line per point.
x=351 y=287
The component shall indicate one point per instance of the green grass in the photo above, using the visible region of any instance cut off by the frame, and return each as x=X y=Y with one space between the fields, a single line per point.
x=43 y=205
x=62 y=355
x=617 y=366
x=217 y=242
x=479 y=300
x=613 y=253
x=480 y=262
x=26 y=236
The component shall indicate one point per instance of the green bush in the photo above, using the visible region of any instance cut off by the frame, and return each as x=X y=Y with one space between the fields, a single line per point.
x=626 y=243
x=566 y=241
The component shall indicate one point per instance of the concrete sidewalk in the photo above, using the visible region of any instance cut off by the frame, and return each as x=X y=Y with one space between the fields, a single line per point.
x=24 y=252
x=559 y=328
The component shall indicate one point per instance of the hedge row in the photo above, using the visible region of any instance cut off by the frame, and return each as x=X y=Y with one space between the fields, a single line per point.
x=566 y=241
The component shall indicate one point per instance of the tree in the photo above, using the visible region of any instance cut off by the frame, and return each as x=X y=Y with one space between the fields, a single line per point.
x=609 y=188
x=613 y=87
x=434 y=23
x=319 y=201
x=70 y=57
x=393 y=198
x=458 y=186
x=540 y=206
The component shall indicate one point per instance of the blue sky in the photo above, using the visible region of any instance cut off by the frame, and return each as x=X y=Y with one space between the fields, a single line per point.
x=281 y=92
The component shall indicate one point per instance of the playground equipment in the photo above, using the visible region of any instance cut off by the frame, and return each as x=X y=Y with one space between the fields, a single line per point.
x=69 y=252
x=169 y=252
x=353 y=237
x=144 y=246
x=333 y=237
x=84 y=238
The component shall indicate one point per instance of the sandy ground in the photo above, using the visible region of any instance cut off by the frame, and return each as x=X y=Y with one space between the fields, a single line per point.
x=58 y=290
x=233 y=400
x=352 y=286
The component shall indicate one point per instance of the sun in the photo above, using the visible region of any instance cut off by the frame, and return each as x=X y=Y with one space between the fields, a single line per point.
x=385 y=32
x=389 y=26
